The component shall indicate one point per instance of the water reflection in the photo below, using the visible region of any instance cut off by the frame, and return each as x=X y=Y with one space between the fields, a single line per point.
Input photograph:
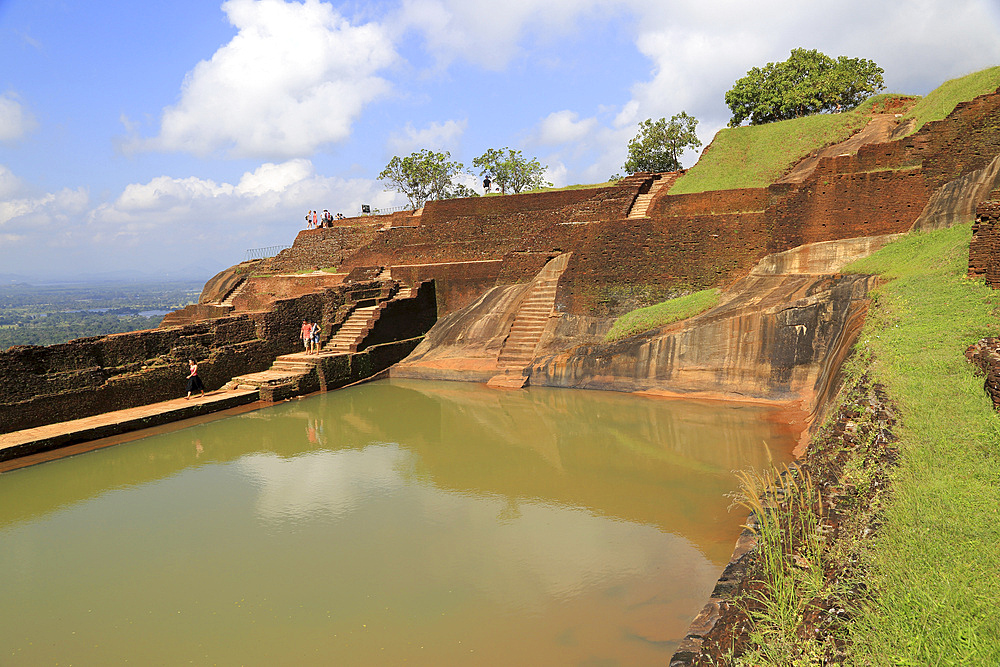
x=431 y=523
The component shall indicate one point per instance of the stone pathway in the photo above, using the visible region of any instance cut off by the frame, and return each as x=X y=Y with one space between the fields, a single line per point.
x=53 y=436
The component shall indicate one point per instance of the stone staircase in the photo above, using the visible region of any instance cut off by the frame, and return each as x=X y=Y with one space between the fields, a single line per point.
x=233 y=293
x=533 y=315
x=353 y=330
x=287 y=375
x=641 y=204
x=297 y=373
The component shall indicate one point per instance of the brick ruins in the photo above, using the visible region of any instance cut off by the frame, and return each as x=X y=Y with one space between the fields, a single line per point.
x=468 y=246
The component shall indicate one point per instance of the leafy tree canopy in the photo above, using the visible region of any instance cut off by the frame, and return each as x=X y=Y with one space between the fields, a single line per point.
x=425 y=176
x=659 y=144
x=510 y=170
x=808 y=82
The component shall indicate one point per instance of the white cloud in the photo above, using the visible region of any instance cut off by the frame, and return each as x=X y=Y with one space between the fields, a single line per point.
x=166 y=221
x=436 y=136
x=15 y=121
x=294 y=78
x=560 y=127
x=489 y=34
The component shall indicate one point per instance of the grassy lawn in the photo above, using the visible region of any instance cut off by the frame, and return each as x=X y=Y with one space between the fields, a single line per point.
x=661 y=314
x=754 y=156
x=936 y=561
x=942 y=100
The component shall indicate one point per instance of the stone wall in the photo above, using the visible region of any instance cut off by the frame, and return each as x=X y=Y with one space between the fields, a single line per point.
x=90 y=376
x=984 y=249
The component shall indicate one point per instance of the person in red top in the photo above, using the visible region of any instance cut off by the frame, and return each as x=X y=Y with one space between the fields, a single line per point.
x=306 y=335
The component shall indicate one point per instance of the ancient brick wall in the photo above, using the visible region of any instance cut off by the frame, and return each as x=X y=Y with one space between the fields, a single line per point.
x=457 y=284
x=985 y=356
x=984 y=249
x=321 y=248
x=90 y=376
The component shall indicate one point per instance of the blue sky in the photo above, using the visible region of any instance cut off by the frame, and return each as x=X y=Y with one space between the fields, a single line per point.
x=166 y=139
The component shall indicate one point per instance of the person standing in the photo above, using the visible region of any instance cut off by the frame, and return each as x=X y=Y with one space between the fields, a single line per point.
x=194 y=382
x=305 y=333
x=487 y=184
x=309 y=219
x=315 y=332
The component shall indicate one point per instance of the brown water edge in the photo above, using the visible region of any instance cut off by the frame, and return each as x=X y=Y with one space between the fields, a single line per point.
x=563 y=513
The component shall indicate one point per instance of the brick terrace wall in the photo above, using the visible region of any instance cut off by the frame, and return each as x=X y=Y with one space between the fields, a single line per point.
x=712 y=202
x=689 y=241
x=322 y=248
x=984 y=250
x=456 y=284
x=90 y=376
x=985 y=356
x=261 y=291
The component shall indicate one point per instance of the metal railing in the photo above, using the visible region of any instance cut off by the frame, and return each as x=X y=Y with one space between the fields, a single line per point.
x=387 y=211
x=264 y=253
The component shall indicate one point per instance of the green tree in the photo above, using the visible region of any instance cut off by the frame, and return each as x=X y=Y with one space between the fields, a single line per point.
x=510 y=170
x=425 y=176
x=808 y=82
x=659 y=144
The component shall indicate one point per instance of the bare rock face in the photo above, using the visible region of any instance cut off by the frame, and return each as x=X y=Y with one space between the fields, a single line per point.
x=775 y=338
x=778 y=336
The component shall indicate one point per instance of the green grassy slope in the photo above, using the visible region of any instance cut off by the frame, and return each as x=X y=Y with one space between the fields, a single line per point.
x=935 y=562
x=942 y=100
x=755 y=156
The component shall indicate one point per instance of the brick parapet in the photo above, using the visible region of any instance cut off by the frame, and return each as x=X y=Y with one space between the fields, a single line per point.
x=984 y=248
x=89 y=376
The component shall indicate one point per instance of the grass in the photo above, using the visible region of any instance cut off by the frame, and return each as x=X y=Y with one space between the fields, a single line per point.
x=755 y=156
x=934 y=566
x=661 y=314
x=942 y=100
x=790 y=564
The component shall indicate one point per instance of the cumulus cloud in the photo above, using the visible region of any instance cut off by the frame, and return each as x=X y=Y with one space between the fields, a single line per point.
x=15 y=121
x=156 y=224
x=562 y=126
x=294 y=78
x=487 y=34
x=436 y=136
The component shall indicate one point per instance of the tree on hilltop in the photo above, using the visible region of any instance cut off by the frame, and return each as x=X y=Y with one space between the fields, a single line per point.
x=659 y=144
x=808 y=82
x=425 y=176
x=509 y=169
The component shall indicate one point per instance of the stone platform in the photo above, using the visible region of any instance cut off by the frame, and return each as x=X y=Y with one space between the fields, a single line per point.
x=40 y=439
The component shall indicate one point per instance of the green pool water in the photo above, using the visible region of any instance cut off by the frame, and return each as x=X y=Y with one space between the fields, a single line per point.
x=397 y=522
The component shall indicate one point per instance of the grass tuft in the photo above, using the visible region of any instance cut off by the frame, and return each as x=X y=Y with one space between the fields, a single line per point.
x=662 y=314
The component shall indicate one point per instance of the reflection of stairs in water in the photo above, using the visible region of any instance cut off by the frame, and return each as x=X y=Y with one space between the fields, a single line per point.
x=529 y=324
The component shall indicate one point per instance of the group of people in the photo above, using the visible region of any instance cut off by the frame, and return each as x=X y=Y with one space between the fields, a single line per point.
x=314 y=221
x=310 y=336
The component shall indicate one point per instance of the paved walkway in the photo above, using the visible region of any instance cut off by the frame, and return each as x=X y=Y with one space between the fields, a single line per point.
x=54 y=436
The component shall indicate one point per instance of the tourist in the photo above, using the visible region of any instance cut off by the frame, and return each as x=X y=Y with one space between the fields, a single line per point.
x=194 y=382
x=309 y=219
x=327 y=218
x=314 y=333
x=305 y=333
x=487 y=184
x=315 y=220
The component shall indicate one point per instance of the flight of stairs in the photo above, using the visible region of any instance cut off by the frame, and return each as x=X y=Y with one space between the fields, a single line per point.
x=233 y=293
x=532 y=317
x=353 y=330
x=641 y=203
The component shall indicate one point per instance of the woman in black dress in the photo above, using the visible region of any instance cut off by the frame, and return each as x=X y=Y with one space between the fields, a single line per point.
x=194 y=382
